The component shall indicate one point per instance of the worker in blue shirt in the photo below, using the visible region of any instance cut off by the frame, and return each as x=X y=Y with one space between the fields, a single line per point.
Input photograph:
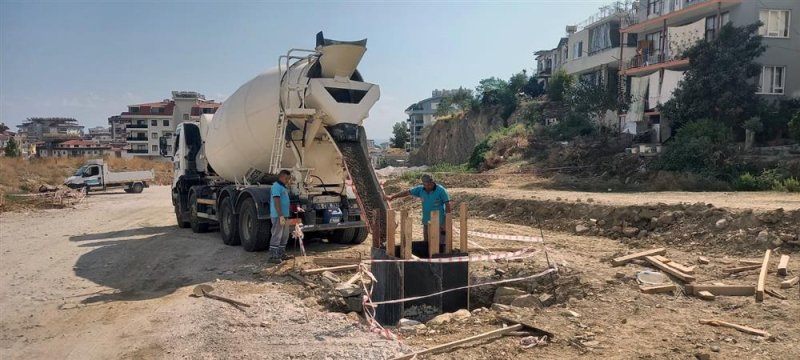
x=434 y=198
x=278 y=212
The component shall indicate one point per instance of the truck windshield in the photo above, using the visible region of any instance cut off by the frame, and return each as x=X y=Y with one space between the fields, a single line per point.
x=80 y=171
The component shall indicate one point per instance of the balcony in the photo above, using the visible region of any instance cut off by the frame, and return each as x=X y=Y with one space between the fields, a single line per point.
x=138 y=151
x=136 y=126
x=675 y=12
x=544 y=72
x=136 y=138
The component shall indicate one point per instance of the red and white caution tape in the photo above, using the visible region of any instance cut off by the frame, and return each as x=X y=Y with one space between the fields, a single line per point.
x=521 y=254
x=370 y=307
x=521 y=238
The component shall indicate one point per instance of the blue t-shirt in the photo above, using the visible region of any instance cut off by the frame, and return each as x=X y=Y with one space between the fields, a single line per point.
x=431 y=201
x=279 y=190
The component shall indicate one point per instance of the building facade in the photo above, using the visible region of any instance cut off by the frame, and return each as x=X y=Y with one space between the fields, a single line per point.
x=76 y=148
x=99 y=134
x=663 y=29
x=421 y=115
x=139 y=128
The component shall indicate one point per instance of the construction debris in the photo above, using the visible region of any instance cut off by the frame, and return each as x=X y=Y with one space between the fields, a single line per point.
x=628 y=258
x=775 y=294
x=326 y=261
x=669 y=270
x=762 y=278
x=744 y=329
x=705 y=295
x=741 y=268
x=453 y=344
x=302 y=280
x=702 y=260
x=657 y=289
x=783 y=264
x=722 y=290
x=789 y=283
x=204 y=290
x=332 y=269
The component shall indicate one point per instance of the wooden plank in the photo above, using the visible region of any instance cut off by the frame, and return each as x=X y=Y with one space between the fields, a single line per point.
x=706 y=295
x=448 y=238
x=665 y=268
x=453 y=344
x=302 y=279
x=739 y=269
x=391 y=230
x=775 y=293
x=405 y=235
x=744 y=329
x=622 y=260
x=329 y=261
x=783 y=265
x=331 y=269
x=750 y=262
x=682 y=268
x=433 y=234
x=789 y=283
x=762 y=277
x=663 y=259
x=722 y=290
x=702 y=260
x=657 y=289
x=462 y=214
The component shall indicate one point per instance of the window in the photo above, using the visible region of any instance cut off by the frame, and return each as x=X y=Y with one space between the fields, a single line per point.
x=154 y=122
x=711 y=27
x=185 y=117
x=771 y=80
x=166 y=122
x=154 y=110
x=776 y=23
x=154 y=135
x=208 y=110
x=654 y=7
x=154 y=148
x=578 y=51
x=133 y=109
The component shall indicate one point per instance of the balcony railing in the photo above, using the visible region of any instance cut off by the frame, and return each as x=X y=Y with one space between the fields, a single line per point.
x=544 y=72
x=138 y=151
x=136 y=138
x=136 y=126
x=651 y=57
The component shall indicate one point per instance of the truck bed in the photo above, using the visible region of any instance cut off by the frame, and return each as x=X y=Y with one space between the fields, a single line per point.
x=129 y=176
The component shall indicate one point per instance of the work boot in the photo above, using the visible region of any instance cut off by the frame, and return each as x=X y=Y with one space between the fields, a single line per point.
x=286 y=256
x=274 y=260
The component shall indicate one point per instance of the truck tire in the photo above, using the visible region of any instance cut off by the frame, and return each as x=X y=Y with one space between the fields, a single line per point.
x=197 y=225
x=360 y=236
x=137 y=188
x=343 y=236
x=228 y=223
x=253 y=233
x=179 y=217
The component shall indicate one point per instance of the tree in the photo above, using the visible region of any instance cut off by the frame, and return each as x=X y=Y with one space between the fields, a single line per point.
x=718 y=84
x=401 y=136
x=593 y=100
x=11 y=149
x=560 y=83
x=3 y=127
x=459 y=100
x=794 y=127
x=517 y=82
x=533 y=88
x=497 y=92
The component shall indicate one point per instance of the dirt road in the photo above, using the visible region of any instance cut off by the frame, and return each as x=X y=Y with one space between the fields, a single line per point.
x=112 y=278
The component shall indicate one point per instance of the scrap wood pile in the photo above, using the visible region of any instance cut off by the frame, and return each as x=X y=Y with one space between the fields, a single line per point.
x=47 y=197
x=687 y=277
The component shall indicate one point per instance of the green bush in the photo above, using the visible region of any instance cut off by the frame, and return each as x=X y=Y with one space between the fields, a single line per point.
x=769 y=179
x=448 y=168
x=560 y=83
x=794 y=127
x=478 y=155
x=788 y=185
x=574 y=125
x=700 y=147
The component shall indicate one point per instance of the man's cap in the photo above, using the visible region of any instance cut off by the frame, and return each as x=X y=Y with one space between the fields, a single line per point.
x=426 y=178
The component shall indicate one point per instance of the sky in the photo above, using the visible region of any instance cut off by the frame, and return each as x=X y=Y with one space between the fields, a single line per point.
x=90 y=59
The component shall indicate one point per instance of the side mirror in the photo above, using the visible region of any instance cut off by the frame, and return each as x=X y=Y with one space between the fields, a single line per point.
x=162 y=146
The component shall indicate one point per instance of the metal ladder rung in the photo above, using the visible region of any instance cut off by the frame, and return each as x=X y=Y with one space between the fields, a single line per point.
x=300 y=112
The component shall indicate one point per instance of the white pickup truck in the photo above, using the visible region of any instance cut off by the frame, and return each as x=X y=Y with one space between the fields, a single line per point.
x=96 y=176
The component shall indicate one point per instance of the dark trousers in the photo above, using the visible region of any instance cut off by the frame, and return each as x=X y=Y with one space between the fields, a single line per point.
x=442 y=236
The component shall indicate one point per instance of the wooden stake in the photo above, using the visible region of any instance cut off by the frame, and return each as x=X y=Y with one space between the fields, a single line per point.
x=622 y=260
x=657 y=289
x=331 y=269
x=405 y=235
x=762 y=278
x=453 y=344
x=775 y=293
x=783 y=265
x=744 y=329
x=391 y=229
x=434 y=232
x=722 y=290
x=665 y=268
x=462 y=214
x=448 y=228
x=706 y=295
x=741 y=268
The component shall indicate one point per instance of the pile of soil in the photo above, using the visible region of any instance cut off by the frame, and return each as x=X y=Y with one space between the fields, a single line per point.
x=692 y=225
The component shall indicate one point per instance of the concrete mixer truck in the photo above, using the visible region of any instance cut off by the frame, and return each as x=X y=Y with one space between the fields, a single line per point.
x=304 y=116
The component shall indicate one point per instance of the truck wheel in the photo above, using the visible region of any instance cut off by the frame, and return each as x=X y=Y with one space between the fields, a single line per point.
x=181 y=223
x=197 y=226
x=253 y=233
x=137 y=188
x=343 y=236
x=228 y=223
x=360 y=236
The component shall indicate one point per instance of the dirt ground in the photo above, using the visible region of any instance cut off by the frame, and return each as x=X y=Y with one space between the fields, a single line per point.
x=112 y=278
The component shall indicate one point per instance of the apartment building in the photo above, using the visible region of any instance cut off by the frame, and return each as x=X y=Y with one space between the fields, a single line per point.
x=140 y=128
x=663 y=29
x=99 y=134
x=421 y=115
x=76 y=148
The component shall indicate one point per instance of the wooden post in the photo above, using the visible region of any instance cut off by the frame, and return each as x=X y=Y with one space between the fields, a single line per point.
x=405 y=235
x=390 y=232
x=433 y=234
x=462 y=214
x=762 y=278
x=448 y=228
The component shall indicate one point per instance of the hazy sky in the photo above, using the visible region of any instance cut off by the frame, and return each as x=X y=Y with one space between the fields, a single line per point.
x=90 y=59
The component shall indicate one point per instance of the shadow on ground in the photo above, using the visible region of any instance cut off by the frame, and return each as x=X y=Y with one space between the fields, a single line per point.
x=152 y=262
